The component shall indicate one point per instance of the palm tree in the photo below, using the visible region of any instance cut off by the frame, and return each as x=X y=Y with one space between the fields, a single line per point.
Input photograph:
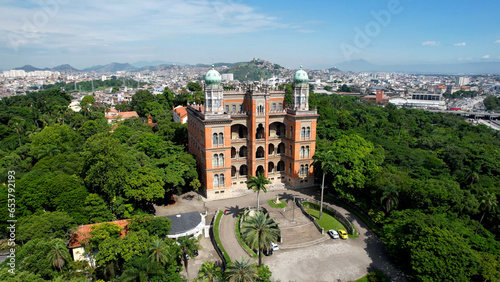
x=17 y=124
x=159 y=252
x=259 y=231
x=59 y=254
x=209 y=271
x=327 y=162
x=258 y=184
x=187 y=246
x=142 y=269
x=241 y=271
x=489 y=202
x=390 y=194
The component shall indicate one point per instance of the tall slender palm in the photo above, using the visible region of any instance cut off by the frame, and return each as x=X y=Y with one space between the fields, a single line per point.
x=390 y=194
x=241 y=271
x=258 y=184
x=327 y=162
x=159 y=252
x=17 y=124
x=59 y=254
x=259 y=231
x=187 y=245
x=209 y=271
x=489 y=202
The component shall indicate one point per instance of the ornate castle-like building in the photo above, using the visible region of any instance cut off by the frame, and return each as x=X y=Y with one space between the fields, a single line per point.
x=238 y=134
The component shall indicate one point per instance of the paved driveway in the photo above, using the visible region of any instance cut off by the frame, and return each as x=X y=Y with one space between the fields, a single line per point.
x=330 y=260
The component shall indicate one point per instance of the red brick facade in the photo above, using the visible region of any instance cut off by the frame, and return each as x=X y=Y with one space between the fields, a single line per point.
x=256 y=133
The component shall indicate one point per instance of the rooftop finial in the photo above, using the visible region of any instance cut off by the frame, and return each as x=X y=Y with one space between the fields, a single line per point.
x=213 y=66
x=300 y=66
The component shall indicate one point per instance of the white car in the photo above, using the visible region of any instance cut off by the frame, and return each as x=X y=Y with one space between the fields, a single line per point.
x=334 y=234
x=274 y=246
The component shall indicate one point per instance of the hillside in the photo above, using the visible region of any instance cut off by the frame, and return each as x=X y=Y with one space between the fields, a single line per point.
x=256 y=70
x=113 y=67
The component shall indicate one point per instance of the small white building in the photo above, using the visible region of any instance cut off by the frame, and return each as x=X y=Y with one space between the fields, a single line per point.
x=185 y=224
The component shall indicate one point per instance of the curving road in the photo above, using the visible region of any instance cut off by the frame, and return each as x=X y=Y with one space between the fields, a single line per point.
x=330 y=260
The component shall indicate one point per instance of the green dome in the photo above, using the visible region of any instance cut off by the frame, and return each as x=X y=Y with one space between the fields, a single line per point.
x=213 y=77
x=300 y=77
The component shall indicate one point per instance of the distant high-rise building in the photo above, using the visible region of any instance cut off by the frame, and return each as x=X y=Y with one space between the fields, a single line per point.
x=463 y=80
x=240 y=134
x=227 y=77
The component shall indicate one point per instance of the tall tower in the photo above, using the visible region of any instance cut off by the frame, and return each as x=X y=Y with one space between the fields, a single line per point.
x=214 y=96
x=300 y=90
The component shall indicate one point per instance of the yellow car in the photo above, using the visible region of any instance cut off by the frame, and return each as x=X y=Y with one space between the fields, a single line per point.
x=343 y=234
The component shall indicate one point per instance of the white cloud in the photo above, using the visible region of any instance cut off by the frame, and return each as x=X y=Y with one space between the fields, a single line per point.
x=497 y=42
x=430 y=43
x=75 y=25
x=485 y=57
x=460 y=44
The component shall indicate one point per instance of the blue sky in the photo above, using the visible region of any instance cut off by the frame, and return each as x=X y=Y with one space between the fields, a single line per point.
x=47 y=33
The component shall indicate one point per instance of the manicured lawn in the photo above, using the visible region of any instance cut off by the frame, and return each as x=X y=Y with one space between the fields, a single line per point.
x=362 y=279
x=217 y=238
x=360 y=215
x=279 y=206
x=327 y=222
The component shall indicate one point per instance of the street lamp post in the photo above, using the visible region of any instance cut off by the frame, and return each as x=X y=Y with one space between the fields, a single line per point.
x=322 y=189
x=293 y=210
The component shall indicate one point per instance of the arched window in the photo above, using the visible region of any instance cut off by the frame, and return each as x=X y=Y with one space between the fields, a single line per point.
x=306 y=171
x=280 y=106
x=260 y=132
x=290 y=150
x=306 y=154
x=270 y=167
x=221 y=139
x=233 y=171
x=308 y=132
x=271 y=149
x=243 y=152
x=215 y=140
x=281 y=148
x=221 y=180
x=290 y=168
x=302 y=151
x=291 y=132
x=216 y=180
x=244 y=170
x=260 y=109
x=281 y=166
x=227 y=108
x=221 y=160
x=260 y=152
x=301 y=171
x=303 y=133
x=233 y=153
x=215 y=161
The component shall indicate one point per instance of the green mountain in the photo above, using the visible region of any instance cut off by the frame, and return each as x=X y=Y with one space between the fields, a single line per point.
x=256 y=70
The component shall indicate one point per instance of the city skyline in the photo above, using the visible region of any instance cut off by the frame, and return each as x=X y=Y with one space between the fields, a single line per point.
x=317 y=34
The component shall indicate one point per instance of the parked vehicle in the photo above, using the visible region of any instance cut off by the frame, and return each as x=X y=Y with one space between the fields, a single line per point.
x=343 y=234
x=274 y=246
x=334 y=234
